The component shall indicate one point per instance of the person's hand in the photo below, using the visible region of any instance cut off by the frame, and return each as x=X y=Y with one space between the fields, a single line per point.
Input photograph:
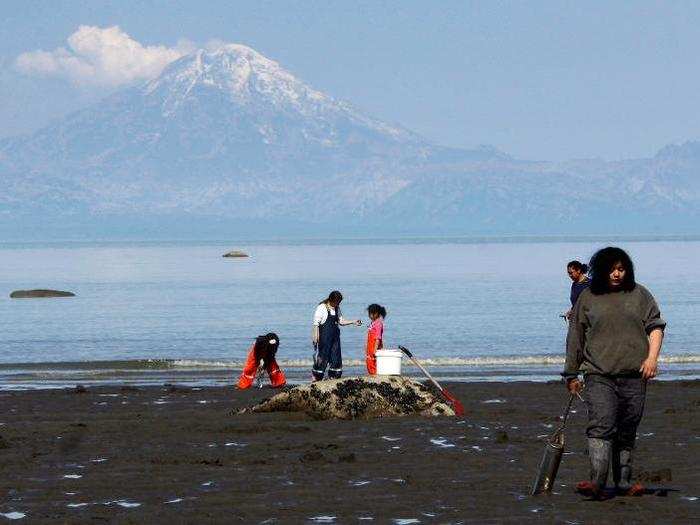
x=358 y=322
x=574 y=386
x=568 y=314
x=649 y=368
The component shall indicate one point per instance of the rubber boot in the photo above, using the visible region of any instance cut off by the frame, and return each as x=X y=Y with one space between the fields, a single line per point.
x=622 y=468
x=599 y=454
x=622 y=472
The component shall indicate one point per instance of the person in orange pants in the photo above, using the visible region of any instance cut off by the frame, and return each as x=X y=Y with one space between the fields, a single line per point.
x=263 y=350
x=375 y=335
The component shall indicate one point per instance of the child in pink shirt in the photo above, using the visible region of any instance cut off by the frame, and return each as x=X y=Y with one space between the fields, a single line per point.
x=375 y=336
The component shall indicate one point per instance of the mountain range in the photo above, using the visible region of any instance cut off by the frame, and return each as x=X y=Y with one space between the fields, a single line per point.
x=228 y=143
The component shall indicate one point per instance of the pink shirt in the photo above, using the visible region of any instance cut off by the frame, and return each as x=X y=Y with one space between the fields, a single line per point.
x=376 y=329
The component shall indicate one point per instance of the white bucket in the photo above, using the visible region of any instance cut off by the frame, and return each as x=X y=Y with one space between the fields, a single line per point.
x=389 y=362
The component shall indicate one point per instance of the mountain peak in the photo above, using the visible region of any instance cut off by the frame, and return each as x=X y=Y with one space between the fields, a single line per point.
x=238 y=71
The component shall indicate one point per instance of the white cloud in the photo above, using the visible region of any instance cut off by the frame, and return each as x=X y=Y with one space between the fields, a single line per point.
x=102 y=57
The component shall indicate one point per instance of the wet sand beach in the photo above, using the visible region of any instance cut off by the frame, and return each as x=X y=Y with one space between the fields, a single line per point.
x=180 y=455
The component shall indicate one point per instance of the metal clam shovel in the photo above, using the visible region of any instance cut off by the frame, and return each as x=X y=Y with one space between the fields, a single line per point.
x=549 y=466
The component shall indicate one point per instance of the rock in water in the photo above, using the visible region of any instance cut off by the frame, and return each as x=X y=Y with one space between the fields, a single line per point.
x=235 y=253
x=28 y=294
x=357 y=398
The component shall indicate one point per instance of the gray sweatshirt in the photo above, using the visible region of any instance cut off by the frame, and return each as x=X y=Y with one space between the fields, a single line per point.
x=608 y=333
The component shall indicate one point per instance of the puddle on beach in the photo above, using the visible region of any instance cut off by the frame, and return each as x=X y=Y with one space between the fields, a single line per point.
x=404 y=521
x=176 y=500
x=494 y=401
x=360 y=483
x=125 y=504
x=323 y=519
x=109 y=395
x=389 y=438
x=689 y=498
x=13 y=515
x=77 y=505
x=234 y=444
x=99 y=460
x=442 y=442
x=72 y=476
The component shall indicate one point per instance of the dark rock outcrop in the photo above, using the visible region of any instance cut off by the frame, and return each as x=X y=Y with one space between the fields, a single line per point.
x=29 y=294
x=235 y=253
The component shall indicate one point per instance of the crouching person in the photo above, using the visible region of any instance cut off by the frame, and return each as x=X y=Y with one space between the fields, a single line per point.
x=262 y=355
x=614 y=338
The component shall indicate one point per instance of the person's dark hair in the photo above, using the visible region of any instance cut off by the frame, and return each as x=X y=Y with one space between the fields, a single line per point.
x=578 y=266
x=266 y=346
x=334 y=297
x=602 y=264
x=376 y=309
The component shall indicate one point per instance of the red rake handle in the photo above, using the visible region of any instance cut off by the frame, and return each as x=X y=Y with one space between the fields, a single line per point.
x=456 y=403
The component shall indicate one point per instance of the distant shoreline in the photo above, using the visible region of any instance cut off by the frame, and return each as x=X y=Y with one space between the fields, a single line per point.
x=351 y=240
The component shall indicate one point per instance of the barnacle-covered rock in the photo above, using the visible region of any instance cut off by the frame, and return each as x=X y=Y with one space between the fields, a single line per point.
x=357 y=398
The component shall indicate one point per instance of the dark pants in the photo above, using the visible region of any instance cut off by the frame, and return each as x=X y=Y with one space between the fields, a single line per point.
x=328 y=355
x=615 y=406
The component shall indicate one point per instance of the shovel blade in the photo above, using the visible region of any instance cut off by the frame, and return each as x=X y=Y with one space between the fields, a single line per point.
x=549 y=466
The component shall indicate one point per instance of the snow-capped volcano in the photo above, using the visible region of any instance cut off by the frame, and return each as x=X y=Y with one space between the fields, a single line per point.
x=229 y=139
x=259 y=87
x=238 y=70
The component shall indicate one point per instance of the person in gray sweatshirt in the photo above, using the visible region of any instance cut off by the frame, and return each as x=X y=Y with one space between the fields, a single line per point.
x=614 y=339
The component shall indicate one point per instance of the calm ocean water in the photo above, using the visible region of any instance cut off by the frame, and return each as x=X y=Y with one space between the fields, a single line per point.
x=156 y=312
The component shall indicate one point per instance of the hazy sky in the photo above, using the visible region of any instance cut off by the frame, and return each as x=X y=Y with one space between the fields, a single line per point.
x=540 y=80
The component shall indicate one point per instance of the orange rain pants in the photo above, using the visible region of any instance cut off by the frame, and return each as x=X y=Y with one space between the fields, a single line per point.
x=370 y=358
x=277 y=378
